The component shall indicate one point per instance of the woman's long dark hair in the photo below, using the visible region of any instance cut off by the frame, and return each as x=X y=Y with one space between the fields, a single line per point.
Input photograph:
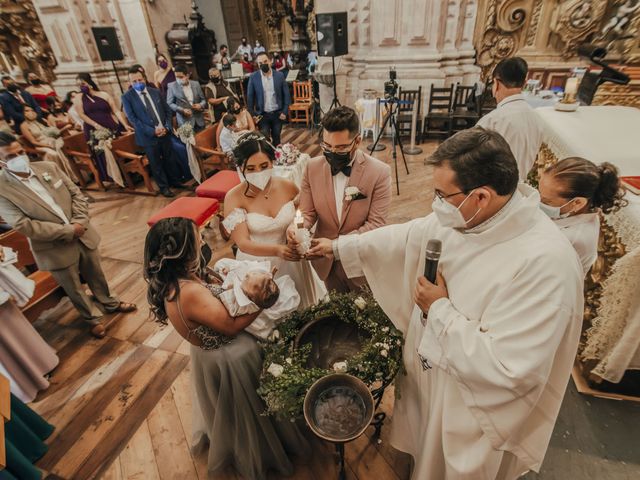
x=247 y=146
x=171 y=253
x=86 y=77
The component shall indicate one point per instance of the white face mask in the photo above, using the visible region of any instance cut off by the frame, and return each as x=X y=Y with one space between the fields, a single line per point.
x=19 y=164
x=259 y=179
x=554 y=212
x=449 y=215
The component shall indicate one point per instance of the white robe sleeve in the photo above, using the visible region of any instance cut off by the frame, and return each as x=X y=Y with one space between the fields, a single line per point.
x=389 y=258
x=508 y=352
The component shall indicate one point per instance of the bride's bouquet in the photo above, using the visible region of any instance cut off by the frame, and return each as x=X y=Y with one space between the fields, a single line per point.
x=288 y=155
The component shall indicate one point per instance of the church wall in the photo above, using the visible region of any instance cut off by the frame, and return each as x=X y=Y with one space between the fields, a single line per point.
x=162 y=15
x=211 y=11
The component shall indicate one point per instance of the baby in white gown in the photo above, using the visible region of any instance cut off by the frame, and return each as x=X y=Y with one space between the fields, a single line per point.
x=249 y=286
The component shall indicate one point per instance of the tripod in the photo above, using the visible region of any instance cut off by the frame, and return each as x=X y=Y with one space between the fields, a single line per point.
x=392 y=110
x=335 y=102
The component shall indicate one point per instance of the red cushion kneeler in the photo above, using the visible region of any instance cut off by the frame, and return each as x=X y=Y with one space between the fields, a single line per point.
x=200 y=210
x=218 y=185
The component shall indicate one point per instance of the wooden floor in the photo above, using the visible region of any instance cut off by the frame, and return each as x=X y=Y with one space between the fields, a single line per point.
x=122 y=405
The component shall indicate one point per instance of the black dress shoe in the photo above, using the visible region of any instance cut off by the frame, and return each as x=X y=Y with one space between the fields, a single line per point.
x=167 y=193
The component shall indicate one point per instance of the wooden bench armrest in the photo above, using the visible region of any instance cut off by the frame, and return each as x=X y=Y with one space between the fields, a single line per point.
x=130 y=156
x=210 y=151
x=77 y=154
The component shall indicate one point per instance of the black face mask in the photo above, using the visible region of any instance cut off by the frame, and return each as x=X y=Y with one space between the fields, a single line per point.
x=237 y=110
x=337 y=161
x=215 y=80
x=12 y=87
x=36 y=81
x=244 y=43
x=264 y=67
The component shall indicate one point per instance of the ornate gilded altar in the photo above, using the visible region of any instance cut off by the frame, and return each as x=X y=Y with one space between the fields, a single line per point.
x=610 y=342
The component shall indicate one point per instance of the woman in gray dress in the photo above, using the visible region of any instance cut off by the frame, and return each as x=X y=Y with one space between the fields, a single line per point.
x=225 y=361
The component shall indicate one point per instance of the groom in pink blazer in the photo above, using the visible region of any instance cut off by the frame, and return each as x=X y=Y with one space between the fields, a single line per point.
x=343 y=191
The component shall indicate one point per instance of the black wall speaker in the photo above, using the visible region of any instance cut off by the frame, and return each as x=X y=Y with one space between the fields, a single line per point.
x=332 y=34
x=107 y=43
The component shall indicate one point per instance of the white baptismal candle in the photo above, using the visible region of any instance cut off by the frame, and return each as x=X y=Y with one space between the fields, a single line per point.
x=571 y=86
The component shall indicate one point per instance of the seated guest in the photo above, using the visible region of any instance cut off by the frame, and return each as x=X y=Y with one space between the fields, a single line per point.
x=39 y=90
x=217 y=92
x=244 y=120
x=572 y=193
x=58 y=117
x=258 y=49
x=226 y=362
x=13 y=102
x=185 y=97
x=151 y=118
x=98 y=110
x=247 y=64
x=41 y=202
x=164 y=75
x=229 y=133
x=71 y=109
x=4 y=124
x=279 y=62
x=513 y=118
x=37 y=134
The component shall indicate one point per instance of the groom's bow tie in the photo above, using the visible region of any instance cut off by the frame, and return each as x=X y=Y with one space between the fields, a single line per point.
x=346 y=170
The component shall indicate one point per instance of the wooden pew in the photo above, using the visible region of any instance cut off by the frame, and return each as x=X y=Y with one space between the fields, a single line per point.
x=78 y=153
x=47 y=292
x=130 y=160
x=209 y=154
x=5 y=416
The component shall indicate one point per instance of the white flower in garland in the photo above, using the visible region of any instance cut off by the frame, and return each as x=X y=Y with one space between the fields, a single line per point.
x=289 y=360
x=275 y=369
x=361 y=303
x=340 y=366
x=384 y=353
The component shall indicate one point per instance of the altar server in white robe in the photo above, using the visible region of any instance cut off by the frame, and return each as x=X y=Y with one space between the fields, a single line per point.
x=487 y=369
x=573 y=192
x=514 y=118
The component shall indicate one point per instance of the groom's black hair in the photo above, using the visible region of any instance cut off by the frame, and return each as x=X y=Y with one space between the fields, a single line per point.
x=479 y=157
x=341 y=118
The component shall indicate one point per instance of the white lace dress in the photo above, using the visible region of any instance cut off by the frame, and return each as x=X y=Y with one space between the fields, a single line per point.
x=273 y=230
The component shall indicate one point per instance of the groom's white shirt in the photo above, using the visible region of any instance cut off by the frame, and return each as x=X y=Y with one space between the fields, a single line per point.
x=501 y=347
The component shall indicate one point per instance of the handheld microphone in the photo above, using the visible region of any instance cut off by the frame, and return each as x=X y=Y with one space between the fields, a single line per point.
x=434 y=248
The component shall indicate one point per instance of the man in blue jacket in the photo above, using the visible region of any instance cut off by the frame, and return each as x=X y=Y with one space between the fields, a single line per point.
x=268 y=96
x=151 y=120
x=13 y=101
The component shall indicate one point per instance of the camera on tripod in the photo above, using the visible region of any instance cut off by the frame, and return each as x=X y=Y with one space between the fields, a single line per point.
x=391 y=86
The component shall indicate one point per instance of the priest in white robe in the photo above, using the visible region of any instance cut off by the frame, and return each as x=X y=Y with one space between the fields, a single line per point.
x=487 y=369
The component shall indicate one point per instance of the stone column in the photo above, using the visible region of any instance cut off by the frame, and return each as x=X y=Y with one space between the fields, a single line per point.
x=67 y=24
x=426 y=41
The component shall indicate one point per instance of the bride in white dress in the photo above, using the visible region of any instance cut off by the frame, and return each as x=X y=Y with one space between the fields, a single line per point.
x=258 y=213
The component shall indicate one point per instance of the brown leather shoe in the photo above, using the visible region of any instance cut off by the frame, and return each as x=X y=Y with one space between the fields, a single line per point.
x=99 y=331
x=124 y=307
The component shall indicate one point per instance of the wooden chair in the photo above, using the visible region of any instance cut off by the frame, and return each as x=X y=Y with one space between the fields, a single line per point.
x=29 y=148
x=77 y=151
x=302 y=103
x=209 y=154
x=437 y=122
x=47 y=292
x=405 y=112
x=131 y=159
x=461 y=116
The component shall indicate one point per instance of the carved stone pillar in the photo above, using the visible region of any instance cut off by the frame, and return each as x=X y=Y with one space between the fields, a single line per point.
x=427 y=41
x=67 y=24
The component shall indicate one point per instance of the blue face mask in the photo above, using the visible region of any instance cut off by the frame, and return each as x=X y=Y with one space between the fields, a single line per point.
x=139 y=86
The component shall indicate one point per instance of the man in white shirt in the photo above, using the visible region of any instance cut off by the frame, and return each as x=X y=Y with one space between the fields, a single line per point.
x=489 y=347
x=513 y=118
x=43 y=204
x=243 y=49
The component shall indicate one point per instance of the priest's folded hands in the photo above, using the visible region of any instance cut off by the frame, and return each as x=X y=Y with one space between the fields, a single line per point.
x=426 y=293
